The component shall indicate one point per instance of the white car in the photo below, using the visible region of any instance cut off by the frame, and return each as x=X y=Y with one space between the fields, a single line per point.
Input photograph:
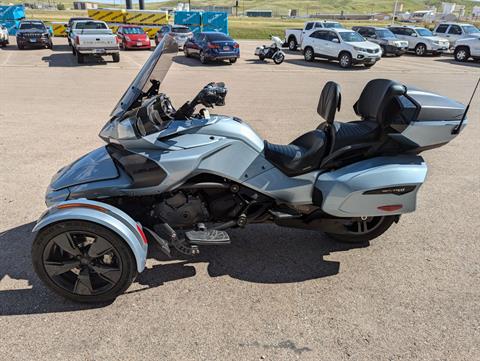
x=456 y=31
x=3 y=35
x=294 y=37
x=93 y=37
x=346 y=46
x=467 y=48
x=421 y=40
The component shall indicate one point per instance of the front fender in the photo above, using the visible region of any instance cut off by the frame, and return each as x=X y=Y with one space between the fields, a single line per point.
x=100 y=213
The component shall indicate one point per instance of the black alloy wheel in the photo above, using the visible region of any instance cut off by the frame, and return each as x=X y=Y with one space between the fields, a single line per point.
x=363 y=229
x=83 y=261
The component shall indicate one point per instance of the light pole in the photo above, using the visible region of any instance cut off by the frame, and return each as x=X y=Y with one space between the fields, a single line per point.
x=394 y=11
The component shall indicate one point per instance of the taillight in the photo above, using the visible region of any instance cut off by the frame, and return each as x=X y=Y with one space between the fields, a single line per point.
x=213 y=46
x=77 y=40
x=236 y=45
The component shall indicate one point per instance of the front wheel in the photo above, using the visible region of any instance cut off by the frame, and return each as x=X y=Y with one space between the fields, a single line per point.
x=461 y=54
x=83 y=261
x=420 y=50
x=363 y=229
x=345 y=60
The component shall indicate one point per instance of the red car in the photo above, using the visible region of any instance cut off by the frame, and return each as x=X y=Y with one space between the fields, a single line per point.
x=133 y=37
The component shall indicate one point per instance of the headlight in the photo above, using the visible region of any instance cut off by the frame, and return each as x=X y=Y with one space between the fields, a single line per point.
x=45 y=34
x=360 y=49
x=392 y=42
x=118 y=129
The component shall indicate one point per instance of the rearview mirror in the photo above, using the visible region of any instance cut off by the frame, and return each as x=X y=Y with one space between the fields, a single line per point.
x=335 y=40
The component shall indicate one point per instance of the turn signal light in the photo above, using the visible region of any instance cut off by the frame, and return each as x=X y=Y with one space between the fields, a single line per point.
x=81 y=205
x=391 y=208
x=140 y=230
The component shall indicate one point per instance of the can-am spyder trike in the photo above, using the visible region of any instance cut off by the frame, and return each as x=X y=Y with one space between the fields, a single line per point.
x=180 y=178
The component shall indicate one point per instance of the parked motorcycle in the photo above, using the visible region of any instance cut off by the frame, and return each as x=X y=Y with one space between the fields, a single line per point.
x=180 y=178
x=273 y=51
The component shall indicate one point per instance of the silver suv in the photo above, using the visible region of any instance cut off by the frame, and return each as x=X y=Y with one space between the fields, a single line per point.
x=456 y=31
x=421 y=40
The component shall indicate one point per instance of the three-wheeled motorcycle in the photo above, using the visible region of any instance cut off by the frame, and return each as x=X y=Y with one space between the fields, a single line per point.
x=180 y=178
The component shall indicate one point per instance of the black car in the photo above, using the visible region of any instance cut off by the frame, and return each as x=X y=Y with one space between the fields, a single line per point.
x=387 y=40
x=33 y=33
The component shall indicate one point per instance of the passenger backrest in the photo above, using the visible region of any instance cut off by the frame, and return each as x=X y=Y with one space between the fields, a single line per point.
x=375 y=98
x=329 y=102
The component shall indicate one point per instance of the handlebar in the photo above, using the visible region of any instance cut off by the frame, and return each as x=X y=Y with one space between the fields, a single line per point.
x=213 y=94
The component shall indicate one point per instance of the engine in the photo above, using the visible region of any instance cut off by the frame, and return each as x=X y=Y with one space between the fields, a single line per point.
x=181 y=210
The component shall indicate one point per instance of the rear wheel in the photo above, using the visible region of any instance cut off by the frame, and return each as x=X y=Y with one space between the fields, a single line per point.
x=364 y=229
x=279 y=58
x=420 y=50
x=80 y=58
x=116 y=57
x=292 y=44
x=233 y=60
x=461 y=54
x=203 y=58
x=83 y=261
x=308 y=54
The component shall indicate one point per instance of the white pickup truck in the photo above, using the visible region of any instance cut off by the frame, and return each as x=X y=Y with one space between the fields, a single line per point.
x=294 y=37
x=92 y=37
x=467 y=48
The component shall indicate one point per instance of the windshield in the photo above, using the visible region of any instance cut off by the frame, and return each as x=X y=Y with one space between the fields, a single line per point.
x=385 y=34
x=423 y=32
x=154 y=69
x=90 y=25
x=470 y=29
x=333 y=25
x=217 y=37
x=26 y=26
x=133 y=31
x=180 y=30
x=351 y=36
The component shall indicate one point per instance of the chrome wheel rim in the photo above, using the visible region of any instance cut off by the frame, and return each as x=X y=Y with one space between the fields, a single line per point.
x=420 y=50
x=291 y=44
x=308 y=54
x=82 y=263
x=461 y=55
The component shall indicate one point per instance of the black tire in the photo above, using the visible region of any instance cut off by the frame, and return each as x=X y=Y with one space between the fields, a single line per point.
x=80 y=58
x=20 y=47
x=309 y=54
x=50 y=46
x=74 y=52
x=185 y=52
x=232 y=60
x=368 y=65
x=59 y=257
x=261 y=57
x=461 y=54
x=292 y=44
x=420 y=50
x=379 y=225
x=116 y=57
x=345 y=60
x=384 y=50
x=203 y=58
x=279 y=59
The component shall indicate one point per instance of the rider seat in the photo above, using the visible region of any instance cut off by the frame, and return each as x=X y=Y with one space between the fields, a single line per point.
x=307 y=152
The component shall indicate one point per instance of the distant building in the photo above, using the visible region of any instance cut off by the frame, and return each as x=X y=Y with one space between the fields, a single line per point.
x=259 y=13
x=82 y=5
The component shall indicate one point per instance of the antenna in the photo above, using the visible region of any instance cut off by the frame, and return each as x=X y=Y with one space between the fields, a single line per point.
x=456 y=130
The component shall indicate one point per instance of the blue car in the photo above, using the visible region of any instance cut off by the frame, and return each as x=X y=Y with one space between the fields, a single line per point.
x=208 y=46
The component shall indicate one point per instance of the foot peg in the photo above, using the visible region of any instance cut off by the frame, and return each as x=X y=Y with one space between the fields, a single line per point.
x=208 y=237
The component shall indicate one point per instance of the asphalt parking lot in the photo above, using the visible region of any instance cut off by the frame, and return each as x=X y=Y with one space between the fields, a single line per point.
x=274 y=293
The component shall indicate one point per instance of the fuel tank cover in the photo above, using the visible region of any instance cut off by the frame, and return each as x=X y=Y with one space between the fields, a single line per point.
x=94 y=166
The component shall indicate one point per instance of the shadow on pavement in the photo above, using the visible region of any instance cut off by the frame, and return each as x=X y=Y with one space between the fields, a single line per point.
x=195 y=62
x=474 y=63
x=259 y=254
x=69 y=60
x=325 y=64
